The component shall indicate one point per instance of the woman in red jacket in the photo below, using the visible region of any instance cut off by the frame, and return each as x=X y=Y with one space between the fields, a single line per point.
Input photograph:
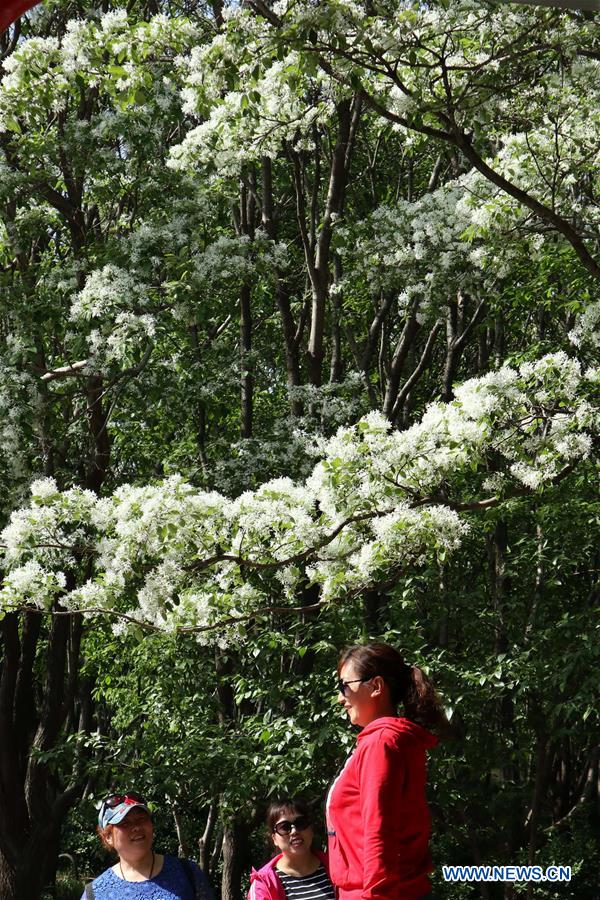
x=377 y=815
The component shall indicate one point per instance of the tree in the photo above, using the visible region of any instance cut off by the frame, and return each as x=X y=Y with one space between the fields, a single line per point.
x=299 y=331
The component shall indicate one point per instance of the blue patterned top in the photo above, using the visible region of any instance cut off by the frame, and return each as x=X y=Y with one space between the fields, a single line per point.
x=171 y=883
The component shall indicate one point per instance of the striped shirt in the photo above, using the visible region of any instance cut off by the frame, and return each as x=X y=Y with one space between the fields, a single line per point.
x=307 y=887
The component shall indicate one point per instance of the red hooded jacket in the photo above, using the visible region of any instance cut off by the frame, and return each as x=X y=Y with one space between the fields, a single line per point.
x=377 y=815
x=12 y=9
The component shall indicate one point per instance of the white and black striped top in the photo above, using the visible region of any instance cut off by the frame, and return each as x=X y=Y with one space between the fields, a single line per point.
x=307 y=887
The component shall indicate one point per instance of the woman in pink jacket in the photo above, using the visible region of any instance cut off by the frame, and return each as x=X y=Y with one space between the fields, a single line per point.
x=298 y=871
x=377 y=815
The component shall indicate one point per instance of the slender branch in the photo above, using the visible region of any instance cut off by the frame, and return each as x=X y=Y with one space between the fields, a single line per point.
x=296 y=558
x=453 y=134
x=65 y=371
x=418 y=371
x=543 y=212
x=591 y=769
x=221 y=623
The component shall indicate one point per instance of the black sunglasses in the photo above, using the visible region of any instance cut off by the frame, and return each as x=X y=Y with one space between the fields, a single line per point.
x=342 y=686
x=285 y=827
x=116 y=799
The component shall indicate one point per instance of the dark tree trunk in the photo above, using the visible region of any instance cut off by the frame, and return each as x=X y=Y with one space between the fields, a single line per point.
x=316 y=241
x=499 y=581
x=33 y=803
x=235 y=859
x=205 y=842
x=246 y=227
x=444 y=628
x=409 y=332
x=348 y=117
x=400 y=404
x=100 y=443
x=375 y=606
x=499 y=342
x=336 y=366
x=539 y=792
x=201 y=432
x=291 y=337
x=365 y=359
x=458 y=330
x=246 y=375
x=235 y=832
x=8 y=879
x=497 y=559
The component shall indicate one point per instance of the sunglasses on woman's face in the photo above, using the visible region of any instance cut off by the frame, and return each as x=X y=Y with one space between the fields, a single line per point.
x=342 y=686
x=285 y=827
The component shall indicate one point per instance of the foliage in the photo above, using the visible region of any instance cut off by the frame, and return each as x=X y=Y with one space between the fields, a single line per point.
x=298 y=307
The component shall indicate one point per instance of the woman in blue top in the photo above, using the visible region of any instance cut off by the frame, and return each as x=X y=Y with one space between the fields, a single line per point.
x=125 y=827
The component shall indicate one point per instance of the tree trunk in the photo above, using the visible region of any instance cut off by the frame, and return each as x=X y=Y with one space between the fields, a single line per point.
x=8 y=879
x=317 y=249
x=205 y=842
x=183 y=849
x=34 y=715
x=35 y=867
x=282 y=294
x=497 y=549
x=335 y=368
x=539 y=791
x=457 y=334
x=234 y=848
x=497 y=559
x=444 y=627
x=338 y=176
x=375 y=606
x=246 y=227
x=235 y=859
x=246 y=376
x=499 y=341
x=411 y=327
x=415 y=376
x=100 y=443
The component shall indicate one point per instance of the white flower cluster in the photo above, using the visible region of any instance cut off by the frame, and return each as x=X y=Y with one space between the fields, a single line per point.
x=107 y=290
x=31 y=585
x=52 y=529
x=378 y=501
x=111 y=54
x=119 y=311
x=249 y=99
x=418 y=249
x=20 y=93
x=18 y=396
x=115 y=302
x=586 y=331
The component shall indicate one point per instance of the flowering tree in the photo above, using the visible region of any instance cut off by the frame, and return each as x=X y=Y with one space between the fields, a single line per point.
x=377 y=503
x=299 y=317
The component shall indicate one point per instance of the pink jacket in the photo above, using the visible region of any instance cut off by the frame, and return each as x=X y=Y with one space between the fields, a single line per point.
x=266 y=884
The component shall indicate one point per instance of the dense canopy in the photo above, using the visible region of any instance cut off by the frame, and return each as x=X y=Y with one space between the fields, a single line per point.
x=299 y=315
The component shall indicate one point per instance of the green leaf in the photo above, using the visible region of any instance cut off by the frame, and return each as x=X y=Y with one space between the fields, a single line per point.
x=13 y=125
x=117 y=71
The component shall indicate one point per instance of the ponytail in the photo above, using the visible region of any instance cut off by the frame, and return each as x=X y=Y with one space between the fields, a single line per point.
x=422 y=703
